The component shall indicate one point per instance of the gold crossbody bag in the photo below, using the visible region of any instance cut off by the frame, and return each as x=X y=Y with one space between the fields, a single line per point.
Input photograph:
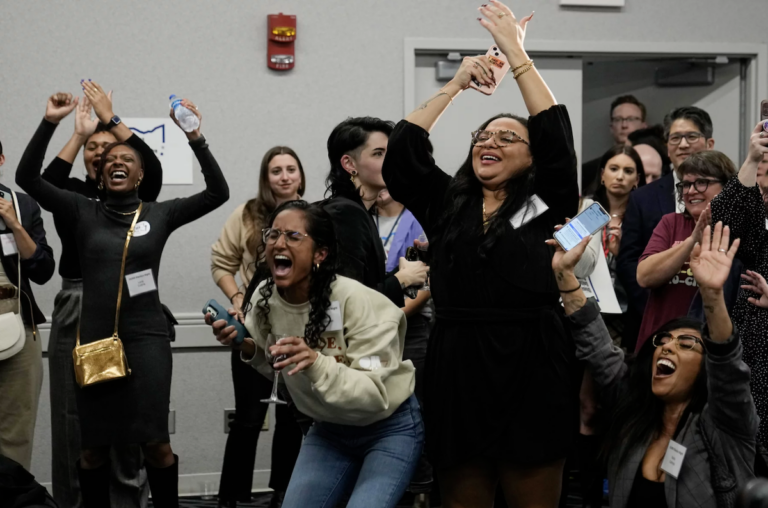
x=104 y=360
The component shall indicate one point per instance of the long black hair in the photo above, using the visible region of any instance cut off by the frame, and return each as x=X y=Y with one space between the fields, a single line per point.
x=465 y=185
x=638 y=413
x=347 y=137
x=601 y=194
x=320 y=229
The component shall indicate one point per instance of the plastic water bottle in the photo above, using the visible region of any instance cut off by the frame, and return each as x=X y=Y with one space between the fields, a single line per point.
x=187 y=119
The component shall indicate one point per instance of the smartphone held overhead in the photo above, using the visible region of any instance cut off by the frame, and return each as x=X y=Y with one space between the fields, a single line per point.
x=587 y=223
x=499 y=67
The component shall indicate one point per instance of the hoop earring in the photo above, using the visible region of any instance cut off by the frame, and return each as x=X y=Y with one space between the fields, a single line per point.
x=354 y=174
x=315 y=268
x=101 y=185
x=137 y=184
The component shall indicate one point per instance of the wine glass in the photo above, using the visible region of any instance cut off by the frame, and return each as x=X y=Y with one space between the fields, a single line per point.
x=423 y=247
x=272 y=340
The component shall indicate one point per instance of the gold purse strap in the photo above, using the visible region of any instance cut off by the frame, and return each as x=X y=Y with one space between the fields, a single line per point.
x=122 y=276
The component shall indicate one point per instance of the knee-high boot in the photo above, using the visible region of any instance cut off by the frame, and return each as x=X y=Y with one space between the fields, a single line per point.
x=164 y=484
x=94 y=486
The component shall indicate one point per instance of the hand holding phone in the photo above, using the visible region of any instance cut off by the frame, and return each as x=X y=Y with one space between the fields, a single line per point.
x=588 y=222
x=218 y=312
x=6 y=196
x=499 y=66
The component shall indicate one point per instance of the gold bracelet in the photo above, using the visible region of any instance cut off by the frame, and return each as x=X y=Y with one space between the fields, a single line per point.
x=442 y=92
x=529 y=62
x=523 y=71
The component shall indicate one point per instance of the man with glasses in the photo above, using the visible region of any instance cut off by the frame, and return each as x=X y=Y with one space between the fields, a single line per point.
x=687 y=130
x=627 y=115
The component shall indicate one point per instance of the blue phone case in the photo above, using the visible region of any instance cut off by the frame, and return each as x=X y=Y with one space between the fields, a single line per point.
x=219 y=312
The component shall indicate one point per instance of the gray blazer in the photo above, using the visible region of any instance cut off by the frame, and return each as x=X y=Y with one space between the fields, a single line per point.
x=729 y=417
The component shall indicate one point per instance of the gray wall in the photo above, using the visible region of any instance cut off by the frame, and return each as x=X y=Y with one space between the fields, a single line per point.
x=349 y=62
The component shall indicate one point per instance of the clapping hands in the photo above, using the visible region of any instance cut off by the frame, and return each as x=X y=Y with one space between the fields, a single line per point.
x=59 y=106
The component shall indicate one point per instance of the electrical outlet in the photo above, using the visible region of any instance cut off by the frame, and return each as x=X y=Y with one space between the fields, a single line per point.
x=229 y=415
x=172 y=421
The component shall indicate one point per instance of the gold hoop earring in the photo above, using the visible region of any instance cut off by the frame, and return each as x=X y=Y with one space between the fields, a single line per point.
x=101 y=185
x=137 y=184
x=354 y=174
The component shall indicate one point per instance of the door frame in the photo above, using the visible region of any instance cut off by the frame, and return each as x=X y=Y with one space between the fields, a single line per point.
x=756 y=79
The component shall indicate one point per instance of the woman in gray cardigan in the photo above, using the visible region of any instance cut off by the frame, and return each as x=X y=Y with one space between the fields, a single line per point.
x=688 y=437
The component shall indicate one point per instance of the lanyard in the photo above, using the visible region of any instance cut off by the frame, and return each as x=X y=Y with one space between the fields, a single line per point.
x=386 y=240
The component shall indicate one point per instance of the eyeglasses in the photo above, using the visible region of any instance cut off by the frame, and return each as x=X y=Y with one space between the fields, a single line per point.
x=700 y=184
x=270 y=236
x=686 y=342
x=501 y=138
x=690 y=137
x=618 y=120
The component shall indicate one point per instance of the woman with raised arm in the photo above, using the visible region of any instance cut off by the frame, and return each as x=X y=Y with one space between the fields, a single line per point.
x=499 y=358
x=134 y=409
x=682 y=428
x=128 y=484
x=341 y=352
x=742 y=206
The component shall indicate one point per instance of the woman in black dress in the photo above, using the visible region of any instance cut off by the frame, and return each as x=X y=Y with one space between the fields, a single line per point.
x=134 y=409
x=500 y=394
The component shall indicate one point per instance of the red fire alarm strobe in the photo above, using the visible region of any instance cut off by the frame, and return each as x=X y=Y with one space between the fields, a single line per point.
x=281 y=38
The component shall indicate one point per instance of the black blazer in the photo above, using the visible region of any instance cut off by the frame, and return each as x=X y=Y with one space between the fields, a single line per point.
x=646 y=207
x=39 y=268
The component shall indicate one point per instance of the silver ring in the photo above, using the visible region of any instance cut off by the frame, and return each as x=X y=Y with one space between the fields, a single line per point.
x=721 y=250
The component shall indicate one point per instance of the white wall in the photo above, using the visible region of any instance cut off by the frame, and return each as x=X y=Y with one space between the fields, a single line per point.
x=349 y=62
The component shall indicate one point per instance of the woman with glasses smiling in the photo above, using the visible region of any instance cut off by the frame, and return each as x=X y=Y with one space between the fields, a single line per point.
x=685 y=394
x=664 y=266
x=499 y=357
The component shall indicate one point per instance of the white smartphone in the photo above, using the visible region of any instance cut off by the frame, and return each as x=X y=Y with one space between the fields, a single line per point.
x=6 y=196
x=588 y=222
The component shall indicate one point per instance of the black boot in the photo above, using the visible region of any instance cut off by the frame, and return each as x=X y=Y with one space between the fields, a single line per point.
x=94 y=486
x=164 y=484
x=236 y=480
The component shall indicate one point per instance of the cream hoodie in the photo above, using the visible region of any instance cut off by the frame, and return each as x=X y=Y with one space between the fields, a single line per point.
x=359 y=377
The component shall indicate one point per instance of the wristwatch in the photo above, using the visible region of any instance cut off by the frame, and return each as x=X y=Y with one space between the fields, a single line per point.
x=114 y=122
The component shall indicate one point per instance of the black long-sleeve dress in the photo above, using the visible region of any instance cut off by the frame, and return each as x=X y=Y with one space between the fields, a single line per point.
x=500 y=381
x=742 y=209
x=135 y=409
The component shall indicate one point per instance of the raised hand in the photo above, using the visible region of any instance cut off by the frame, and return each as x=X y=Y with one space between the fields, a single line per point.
x=59 y=106
x=474 y=68
x=85 y=126
x=190 y=106
x=101 y=102
x=565 y=262
x=705 y=219
x=711 y=260
x=758 y=143
x=757 y=285
x=507 y=31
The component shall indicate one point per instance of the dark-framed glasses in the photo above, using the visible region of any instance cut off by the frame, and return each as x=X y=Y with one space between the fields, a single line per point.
x=618 y=120
x=270 y=236
x=686 y=342
x=690 y=137
x=700 y=184
x=501 y=138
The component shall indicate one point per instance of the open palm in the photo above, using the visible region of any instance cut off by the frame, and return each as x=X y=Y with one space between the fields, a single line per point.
x=711 y=259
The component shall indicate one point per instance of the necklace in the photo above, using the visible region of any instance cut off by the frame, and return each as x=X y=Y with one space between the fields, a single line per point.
x=121 y=213
x=486 y=216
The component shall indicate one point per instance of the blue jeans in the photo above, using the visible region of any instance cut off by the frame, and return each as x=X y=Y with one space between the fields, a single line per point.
x=372 y=464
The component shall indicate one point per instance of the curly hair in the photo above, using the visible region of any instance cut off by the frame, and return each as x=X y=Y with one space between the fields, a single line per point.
x=320 y=229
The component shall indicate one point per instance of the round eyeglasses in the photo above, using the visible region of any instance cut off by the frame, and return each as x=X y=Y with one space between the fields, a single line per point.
x=686 y=342
x=700 y=184
x=501 y=138
x=270 y=236
x=690 y=137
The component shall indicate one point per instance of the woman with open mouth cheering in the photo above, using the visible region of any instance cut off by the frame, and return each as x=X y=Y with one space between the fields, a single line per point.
x=341 y=351
x=683 y=424
x=133 y=409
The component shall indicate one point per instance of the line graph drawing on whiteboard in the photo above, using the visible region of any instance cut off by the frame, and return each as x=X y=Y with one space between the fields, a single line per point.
x=169 y=144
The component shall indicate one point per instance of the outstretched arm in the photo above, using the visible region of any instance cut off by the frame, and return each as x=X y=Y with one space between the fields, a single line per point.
x=758 y=149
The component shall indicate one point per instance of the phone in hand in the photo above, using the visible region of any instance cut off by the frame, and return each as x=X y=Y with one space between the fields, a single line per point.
x=411 y=254
x=764 y=114
x=500 y=68
x=6 y=196
x=588 y=222
x=218 y=312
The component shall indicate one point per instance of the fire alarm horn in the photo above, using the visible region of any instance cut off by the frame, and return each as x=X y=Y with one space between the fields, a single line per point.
x=281 y=38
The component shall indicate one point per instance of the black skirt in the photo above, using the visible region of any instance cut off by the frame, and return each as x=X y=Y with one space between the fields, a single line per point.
x=135 y=409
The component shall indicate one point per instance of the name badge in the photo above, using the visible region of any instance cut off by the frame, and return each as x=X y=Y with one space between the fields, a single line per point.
x=141 y=229
x=140 y=282
x=673 y=459
x=334 y=312
x=9 y=244
x=532 y=209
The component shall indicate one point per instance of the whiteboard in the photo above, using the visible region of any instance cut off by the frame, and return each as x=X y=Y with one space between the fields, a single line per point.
x=170 y=145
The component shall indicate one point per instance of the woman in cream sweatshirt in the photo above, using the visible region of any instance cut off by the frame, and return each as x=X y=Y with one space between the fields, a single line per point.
x=343 y=366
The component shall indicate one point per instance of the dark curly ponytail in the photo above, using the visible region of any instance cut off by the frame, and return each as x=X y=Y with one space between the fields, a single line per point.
x=320 y=229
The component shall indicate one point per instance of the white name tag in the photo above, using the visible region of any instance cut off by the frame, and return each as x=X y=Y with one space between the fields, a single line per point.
x=334 y=312
x=673 y=459
x=141 y=229
x=9 y=244
x=140 y=282
x=532 y=209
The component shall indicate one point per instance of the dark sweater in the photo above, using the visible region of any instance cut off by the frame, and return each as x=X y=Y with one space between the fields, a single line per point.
x=100 y=232
x=58 y=172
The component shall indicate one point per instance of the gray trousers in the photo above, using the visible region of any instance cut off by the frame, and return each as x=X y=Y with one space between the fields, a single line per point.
x=128 y=478
x=21 y=379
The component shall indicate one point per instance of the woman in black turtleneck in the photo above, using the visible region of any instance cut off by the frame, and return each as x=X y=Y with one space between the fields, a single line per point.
x=135 y=409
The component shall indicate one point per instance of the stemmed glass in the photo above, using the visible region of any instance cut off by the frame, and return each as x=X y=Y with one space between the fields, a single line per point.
x=272 y=340
x=423 y=246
